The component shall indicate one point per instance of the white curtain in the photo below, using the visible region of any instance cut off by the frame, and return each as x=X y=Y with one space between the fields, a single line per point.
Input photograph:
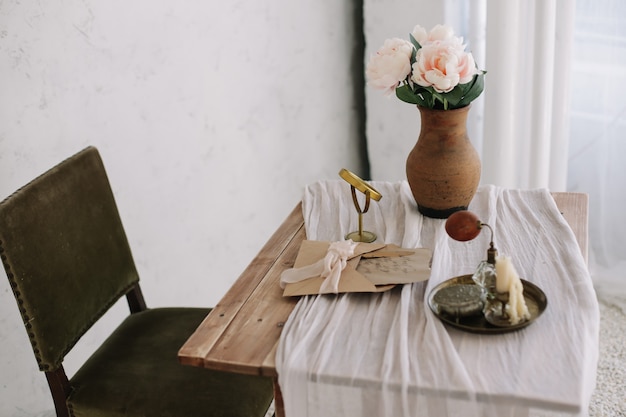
x=552 y=111
x=521 y=126
x=597 y=143
x=554 y=108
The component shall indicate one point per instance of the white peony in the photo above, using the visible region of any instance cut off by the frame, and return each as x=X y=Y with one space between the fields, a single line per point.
x=390 y=65
x=438 y=33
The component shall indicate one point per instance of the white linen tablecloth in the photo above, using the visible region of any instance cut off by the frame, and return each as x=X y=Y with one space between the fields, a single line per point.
x=387 y=354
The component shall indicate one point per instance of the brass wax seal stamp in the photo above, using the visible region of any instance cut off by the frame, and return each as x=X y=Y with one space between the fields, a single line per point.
x=357 y=183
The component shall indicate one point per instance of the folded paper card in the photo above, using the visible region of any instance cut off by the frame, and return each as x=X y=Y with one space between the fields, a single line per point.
x=364 y=267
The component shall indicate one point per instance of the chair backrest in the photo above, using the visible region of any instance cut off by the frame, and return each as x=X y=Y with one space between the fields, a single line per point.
x=65 y=253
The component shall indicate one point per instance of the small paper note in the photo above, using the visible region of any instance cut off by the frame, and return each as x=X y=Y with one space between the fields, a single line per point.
x=374 y=267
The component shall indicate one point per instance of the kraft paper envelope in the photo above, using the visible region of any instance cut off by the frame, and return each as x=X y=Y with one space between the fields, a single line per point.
x=374 y=267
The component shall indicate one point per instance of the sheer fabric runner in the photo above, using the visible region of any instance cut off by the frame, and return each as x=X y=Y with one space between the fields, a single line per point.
x=388 y=355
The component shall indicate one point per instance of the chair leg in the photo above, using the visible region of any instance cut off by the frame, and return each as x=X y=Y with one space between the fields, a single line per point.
x=136 y=302
x=279 y=406
x=60 y=389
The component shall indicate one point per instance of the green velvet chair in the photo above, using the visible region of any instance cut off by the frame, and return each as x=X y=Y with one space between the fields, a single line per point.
x=67 y=258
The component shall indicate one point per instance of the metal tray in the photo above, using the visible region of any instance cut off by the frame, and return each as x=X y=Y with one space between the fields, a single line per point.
x=536 y=302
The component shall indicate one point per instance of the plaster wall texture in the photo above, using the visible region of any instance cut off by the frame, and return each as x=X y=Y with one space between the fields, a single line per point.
x=210 y=117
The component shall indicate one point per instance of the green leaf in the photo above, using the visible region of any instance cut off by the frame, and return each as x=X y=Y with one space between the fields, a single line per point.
x=416 y=47
x=455 y=96
x=415 y=43
x=475 y=88
x=440 y=97
x=423 y=99
x=405 y=94
x=420 y=96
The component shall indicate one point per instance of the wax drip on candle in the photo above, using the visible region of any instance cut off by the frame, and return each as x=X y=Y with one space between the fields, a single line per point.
x=508 y=281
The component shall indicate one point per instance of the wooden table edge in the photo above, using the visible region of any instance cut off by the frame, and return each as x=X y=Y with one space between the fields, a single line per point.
x=195 y=351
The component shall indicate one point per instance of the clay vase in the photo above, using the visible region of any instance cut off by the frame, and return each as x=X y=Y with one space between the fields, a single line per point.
x=443 y=168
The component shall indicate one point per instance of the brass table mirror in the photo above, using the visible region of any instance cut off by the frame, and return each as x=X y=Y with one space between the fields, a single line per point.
x=357 y=183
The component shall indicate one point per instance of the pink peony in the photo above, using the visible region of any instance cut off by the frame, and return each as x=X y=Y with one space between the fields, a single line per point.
x=438 y=33
x=443 y=64
x=390 y=65
x=426 y=69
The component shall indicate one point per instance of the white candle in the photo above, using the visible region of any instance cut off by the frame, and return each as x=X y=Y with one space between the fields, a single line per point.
x=503 y=273
x=507 y=280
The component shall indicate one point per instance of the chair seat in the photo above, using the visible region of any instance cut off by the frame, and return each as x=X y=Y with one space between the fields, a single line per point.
x=136 y=373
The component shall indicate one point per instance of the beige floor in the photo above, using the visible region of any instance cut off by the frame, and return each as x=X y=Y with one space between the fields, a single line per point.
x=609 y=398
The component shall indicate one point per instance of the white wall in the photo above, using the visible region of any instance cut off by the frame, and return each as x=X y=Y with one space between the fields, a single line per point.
x=210 y=117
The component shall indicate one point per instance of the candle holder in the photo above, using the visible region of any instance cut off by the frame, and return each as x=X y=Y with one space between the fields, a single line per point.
x=499 y=315
x=495 y=310
x=464 y=226
x=357 y=183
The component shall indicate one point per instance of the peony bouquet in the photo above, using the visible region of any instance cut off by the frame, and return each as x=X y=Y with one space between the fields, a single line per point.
x=432 y=70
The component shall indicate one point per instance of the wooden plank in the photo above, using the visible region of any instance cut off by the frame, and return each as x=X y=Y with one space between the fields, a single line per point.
x=215 y=325
x=575 y=209
x=248 y=343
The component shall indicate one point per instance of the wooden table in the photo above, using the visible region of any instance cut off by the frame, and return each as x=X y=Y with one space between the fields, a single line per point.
x=241 y=333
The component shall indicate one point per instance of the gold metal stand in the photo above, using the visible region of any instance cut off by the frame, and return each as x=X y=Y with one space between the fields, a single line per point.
x=357 y=183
